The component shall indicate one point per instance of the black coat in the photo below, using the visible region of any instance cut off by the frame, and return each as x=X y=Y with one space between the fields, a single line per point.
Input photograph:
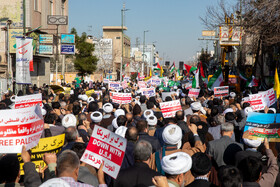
x=138 y=175
x=151 y=139
x=200 y=183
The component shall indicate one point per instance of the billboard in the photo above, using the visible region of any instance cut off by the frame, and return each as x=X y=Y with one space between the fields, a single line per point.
x=45 y=38
x=67 y=38
x=230 y=35
x=208 y=33
x=138 y=56
x=68 y=49
x=46 y=49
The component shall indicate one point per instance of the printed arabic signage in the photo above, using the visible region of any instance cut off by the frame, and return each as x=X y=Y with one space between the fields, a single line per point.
x=28 y=101
x=24 y=56
x=114 y=85
x=46 y=145
x=193 y=92
x=261 y=125
x=67 y=38
x=150 y=92
x=20 y=127
x=124 y=85
x=221 y=91
x=68 y=49
x=170 y=108
x=13 y=34
x=121 y=98
x=45 y=38
x=262 y=99
x=142 y=84
x=156 y=82
x=106 y=146
x=106 y=81
x=46 y=49
x=126 y=79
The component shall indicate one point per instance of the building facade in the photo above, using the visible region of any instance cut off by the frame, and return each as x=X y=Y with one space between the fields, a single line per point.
x=36 y=12
x=115 y=34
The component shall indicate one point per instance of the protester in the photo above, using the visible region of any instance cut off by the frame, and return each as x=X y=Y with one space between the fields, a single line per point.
x=139 y=174
x=196 y=143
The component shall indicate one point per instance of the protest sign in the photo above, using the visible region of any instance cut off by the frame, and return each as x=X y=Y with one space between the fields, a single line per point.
x=124 y=84
x=261 y=125
x=121 y=98
x=24 y=60
x=127 y=79
x=221 y=91
x=156 y=82
x=142 y=84
x=149 y=82
x=28 y=100
x=106 y=81
x=20 y=127
x=170 y=108
x=106 y=146
x=150 y=92
x=89 y=92
x=46 y=145
x=262 y=99
x=193 y=92
x=114 y=85
x=257 y=101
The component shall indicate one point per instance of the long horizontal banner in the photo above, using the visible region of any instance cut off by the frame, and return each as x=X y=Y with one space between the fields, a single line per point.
x=121 y=98
x=28 y=100
x=261 y=125
x=20 y=127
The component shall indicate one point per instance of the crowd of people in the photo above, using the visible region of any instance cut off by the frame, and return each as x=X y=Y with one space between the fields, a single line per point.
x=201 y=145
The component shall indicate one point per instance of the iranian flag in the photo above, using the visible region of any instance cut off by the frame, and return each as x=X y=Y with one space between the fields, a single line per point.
x=195 y=81
x=190 y=68
x=172 y=68
x=216 y=80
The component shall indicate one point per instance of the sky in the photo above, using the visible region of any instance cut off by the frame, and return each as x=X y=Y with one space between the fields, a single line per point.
x=174 y=25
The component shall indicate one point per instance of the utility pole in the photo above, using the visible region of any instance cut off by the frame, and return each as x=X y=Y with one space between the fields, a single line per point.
x=122 y=11
x=144 y=52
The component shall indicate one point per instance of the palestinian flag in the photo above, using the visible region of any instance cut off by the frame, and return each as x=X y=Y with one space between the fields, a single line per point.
x=195 y=81
x=172 y=68
x=156 y=66
x=252 y=82
x=216 y=80
x=190 y=68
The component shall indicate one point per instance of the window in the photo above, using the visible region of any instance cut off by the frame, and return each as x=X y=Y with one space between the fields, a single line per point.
x=118 y=38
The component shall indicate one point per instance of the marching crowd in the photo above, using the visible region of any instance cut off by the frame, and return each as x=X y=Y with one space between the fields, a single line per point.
x=201 y=145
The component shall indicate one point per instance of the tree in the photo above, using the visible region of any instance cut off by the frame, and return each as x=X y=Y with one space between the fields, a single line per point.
x=84 y=62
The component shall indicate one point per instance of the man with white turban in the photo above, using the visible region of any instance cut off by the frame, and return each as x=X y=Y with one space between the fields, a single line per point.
x=175 y=166
x=172 y=136
x=107 y=117
x=250 y=149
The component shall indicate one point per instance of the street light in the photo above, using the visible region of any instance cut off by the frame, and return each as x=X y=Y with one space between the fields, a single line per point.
x=122 y=10
x=144 y=52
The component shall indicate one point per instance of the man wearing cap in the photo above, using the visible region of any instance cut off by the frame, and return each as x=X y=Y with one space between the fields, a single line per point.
x=108 y=117
x=142 y=128
x=176 y=166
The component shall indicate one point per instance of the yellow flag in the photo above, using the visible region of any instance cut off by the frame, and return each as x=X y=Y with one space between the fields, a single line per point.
x=161 y=71
x=276 y=84
x=150 y=73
